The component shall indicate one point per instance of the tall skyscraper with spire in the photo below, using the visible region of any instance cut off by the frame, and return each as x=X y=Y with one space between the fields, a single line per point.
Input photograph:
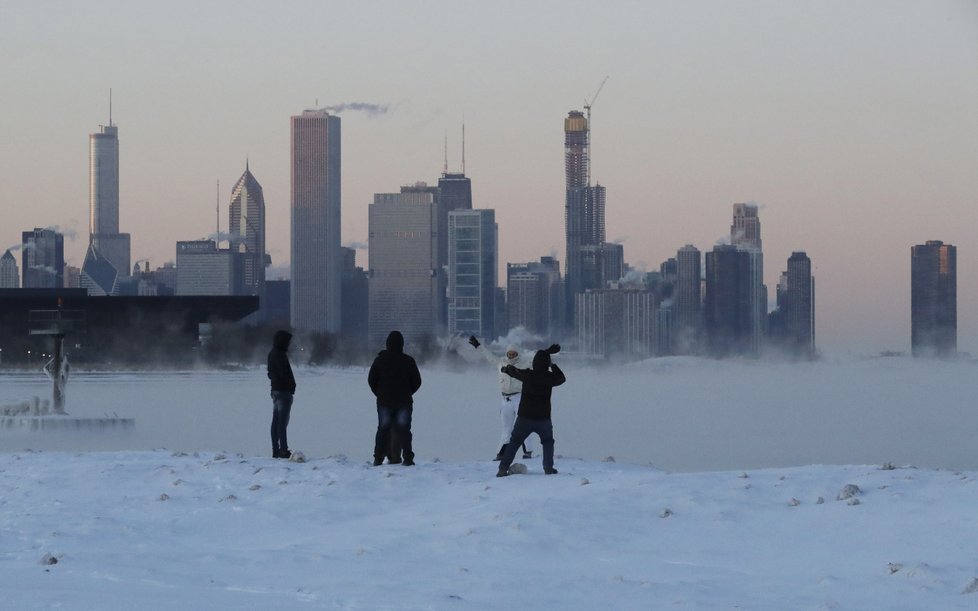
x=583 y=210
x=316 y=252
x=109 y=245
x=247 y=229
x=454 y=192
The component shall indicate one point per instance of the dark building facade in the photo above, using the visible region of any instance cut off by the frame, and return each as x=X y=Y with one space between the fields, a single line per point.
x=933 y=299
x=42 y=259
x=355 y=300
x=792 y=325
x=688 y=300
x=116 y=329
x=727 y=304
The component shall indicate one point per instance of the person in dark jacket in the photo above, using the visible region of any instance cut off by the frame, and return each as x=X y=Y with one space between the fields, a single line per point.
x=534 y=411
x=283 y=391
x=394 y=378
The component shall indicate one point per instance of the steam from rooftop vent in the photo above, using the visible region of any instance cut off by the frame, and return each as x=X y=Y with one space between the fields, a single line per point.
x=372 y=110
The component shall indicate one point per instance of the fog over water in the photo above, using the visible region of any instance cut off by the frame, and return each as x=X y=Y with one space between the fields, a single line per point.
x=679 y=414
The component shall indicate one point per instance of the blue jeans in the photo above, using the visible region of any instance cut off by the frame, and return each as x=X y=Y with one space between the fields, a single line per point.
x=393 y=433
x=523 y=428
x=281 y=409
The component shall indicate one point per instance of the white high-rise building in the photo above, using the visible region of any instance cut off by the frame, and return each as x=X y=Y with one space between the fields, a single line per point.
x=472 y=262
x=103 y=198
x=402 y=258
x=204 y=269
x=316 y=252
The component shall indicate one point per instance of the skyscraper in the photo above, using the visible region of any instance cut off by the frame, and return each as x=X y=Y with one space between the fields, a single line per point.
x=933 y=299
x=402 y=255
x=454 y=192
x=617 y=322
x=9 y=274
x=535 y=296
x=584 y=209
x=793 y=324
x=103 y=198
x=688 y=300
x=43 y=259
x=247 y=229
x=746 y=227
x=727 y=307
x=745 y=234
x=317 y=261
x=472 y=262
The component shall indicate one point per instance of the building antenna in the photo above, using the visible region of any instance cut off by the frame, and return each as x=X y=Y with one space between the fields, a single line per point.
x=110 y=107
x=445 y=168
x=463 y=146
x=218 y=215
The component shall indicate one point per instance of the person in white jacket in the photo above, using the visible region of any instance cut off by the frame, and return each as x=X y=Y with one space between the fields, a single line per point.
x=510 y=389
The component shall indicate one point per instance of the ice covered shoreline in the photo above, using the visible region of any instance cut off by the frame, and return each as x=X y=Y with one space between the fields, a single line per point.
x=169 y=530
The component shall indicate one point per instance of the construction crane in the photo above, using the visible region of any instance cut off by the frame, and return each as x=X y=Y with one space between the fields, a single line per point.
x=587 y=107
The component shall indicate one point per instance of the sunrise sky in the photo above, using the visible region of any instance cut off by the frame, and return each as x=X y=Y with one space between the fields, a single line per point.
x=852 y=125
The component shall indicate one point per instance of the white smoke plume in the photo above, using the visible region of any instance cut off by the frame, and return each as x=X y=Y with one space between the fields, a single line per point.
x=69 y=233
x=633 y=276
x=371 y=110
x=357 y=245
x=223 y=236
x=45 y=268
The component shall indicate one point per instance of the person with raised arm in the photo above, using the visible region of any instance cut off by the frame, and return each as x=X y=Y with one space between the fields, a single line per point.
x=533 y=415
x=510 y=388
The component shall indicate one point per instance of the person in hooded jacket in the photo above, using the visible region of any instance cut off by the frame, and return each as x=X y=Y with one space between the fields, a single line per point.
x=534 y=412
x=394 y=378
x=510 y=388
x=283 y=391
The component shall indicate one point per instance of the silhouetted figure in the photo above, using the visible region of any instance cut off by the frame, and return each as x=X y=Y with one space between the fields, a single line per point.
x=283 y=391
x=534 y=412
x=394 y=378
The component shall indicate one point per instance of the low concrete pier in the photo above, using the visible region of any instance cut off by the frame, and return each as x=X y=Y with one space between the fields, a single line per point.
x=35 y=414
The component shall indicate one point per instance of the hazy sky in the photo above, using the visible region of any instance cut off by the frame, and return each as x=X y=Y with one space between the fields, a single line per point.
x=853 y=125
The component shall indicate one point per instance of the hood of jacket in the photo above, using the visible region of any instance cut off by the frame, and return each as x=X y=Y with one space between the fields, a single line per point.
x=281 y=339
x=512 y=361
x=395 y=342
x=541 y=360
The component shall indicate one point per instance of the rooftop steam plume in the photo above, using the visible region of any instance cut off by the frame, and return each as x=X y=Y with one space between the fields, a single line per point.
x=372 y=110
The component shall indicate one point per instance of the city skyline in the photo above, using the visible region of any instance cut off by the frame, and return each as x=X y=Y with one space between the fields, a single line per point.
x=851 y=127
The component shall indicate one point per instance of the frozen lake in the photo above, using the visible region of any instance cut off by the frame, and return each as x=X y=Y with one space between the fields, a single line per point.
x=678 y=414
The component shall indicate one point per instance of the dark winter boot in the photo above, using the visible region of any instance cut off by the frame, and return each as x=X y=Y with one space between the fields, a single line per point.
x=499 y=455
x=379 y=460
x=527 y=453
x=550 y=471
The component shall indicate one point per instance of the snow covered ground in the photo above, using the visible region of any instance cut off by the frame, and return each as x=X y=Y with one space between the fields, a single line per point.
x=711 y=502
x=162 y=530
